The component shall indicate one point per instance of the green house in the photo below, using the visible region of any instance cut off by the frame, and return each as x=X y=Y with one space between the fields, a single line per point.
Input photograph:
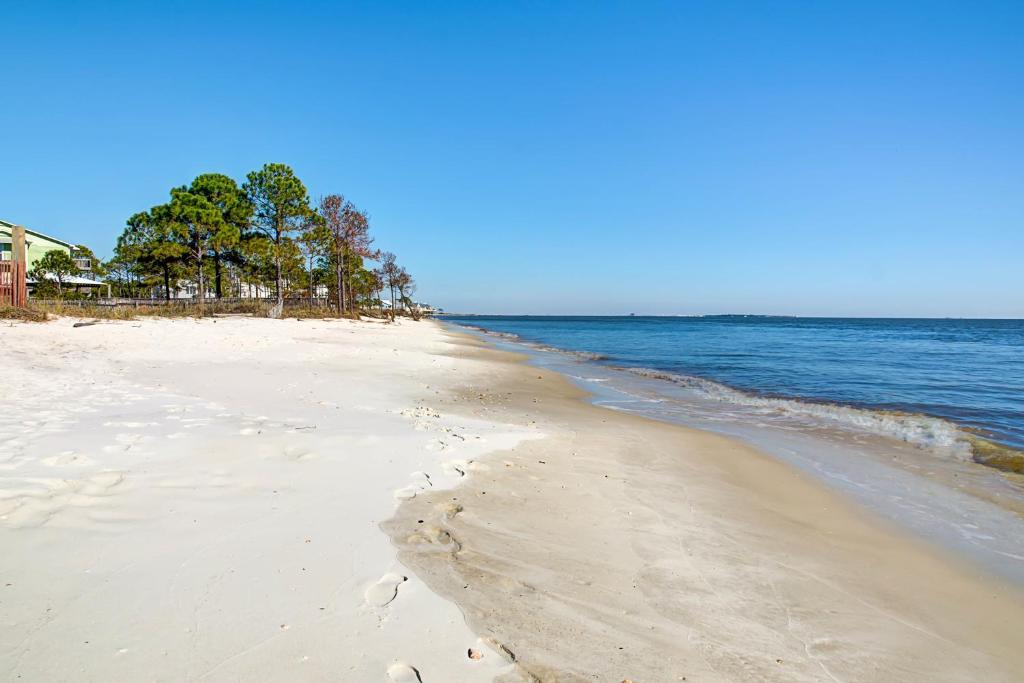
x=37 y=244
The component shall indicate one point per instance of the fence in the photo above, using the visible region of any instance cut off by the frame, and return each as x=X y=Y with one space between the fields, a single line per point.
x=127 y=308
x=184 y=303
x=13 y=291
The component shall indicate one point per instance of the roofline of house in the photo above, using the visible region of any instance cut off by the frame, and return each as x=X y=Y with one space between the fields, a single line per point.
x=30 y=231
x=69 y=280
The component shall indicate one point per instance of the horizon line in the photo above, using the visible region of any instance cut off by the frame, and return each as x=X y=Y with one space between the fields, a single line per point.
x=724 y=315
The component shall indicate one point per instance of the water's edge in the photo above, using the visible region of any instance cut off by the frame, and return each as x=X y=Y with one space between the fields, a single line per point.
x=923 y=430
x=916 y=470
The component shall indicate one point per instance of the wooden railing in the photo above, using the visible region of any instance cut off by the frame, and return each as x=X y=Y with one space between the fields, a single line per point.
x=13 y=291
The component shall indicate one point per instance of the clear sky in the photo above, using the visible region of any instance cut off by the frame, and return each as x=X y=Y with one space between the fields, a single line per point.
x=815 y=158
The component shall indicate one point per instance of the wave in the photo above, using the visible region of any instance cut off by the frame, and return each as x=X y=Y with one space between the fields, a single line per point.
x=920 y=430
x=515 y=338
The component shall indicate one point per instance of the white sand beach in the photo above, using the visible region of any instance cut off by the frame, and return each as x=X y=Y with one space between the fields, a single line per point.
x=200 y=500
x=241 y=499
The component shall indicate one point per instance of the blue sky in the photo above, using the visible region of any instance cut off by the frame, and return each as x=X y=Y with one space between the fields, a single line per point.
x=810 y=158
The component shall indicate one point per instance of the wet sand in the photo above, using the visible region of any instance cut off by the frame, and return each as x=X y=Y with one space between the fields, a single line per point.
x=618 y=548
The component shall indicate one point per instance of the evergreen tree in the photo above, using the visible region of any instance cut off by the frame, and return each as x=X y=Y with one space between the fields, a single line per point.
x=281 y=208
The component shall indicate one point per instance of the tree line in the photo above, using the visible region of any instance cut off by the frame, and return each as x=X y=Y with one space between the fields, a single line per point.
x=264 y=238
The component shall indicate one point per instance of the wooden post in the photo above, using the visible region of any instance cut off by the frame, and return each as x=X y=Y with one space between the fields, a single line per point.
x=20 y=267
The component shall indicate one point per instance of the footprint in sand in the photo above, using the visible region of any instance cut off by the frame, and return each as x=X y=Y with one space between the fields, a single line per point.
x=298 y=453
x=403 y=673
x=454 y=468
x=101 y=484
x=67 y=459
x=39 y=500
x=385 y=590
x=411 y=490
x=125 y=442
x=438 y=538
x=448 y=510
x=406 y=493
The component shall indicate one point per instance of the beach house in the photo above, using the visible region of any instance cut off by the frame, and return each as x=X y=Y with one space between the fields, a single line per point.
x=36 y=246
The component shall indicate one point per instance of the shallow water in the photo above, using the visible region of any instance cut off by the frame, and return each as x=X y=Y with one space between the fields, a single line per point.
x=911 y=469
x=968 y=372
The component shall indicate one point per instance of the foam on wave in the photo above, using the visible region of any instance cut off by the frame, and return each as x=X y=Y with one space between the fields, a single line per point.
x=921 y=430
x=513 y=337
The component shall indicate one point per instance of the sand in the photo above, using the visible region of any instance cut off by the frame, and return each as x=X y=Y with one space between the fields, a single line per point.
x=212 y=500
x=200 y=501
x=617 y=548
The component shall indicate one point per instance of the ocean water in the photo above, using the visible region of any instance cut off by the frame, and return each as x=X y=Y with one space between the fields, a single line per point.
x=969 y=373
x=902 y=415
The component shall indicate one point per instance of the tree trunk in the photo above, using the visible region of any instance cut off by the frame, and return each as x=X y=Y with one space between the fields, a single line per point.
x=202 y=281
x=310 y=280
x=349 y=292
x=408 y=304
x=344 y=288
x=277 y=281
x=216 y=273
x=277 y=264
x=167 y=282
x=337 y=273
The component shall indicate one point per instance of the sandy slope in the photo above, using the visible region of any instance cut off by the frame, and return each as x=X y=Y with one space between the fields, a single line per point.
x=620 y=548
x=200 y=500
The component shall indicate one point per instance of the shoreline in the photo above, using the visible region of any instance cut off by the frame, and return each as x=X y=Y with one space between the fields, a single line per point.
x=961 y=506
x=626 y=548
x=961 y=439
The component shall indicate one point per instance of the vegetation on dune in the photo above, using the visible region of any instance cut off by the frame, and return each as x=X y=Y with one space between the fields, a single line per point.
x=40 y=311
x=176 y=309
x=25 y=314
x=263 y=240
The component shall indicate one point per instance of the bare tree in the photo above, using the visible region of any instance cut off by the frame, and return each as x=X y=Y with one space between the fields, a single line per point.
x=406 y=287
x=356 y=241
x=389 y=269
x=350 y=233
x=332 y=209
